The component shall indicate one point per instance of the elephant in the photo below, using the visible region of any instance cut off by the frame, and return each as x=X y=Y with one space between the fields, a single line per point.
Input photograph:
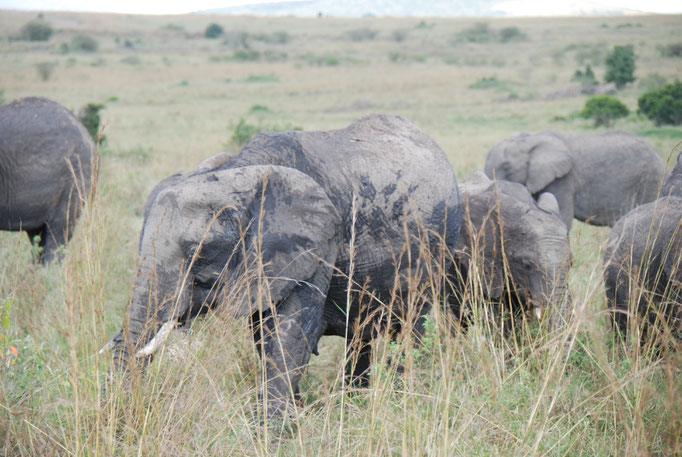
x=518 y=249
x=595 y=178
x=46 y=163
x=673 y=183
x=306 y=234
x=643 y=266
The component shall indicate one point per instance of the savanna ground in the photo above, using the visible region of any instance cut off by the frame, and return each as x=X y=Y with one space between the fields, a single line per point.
x=173 y=97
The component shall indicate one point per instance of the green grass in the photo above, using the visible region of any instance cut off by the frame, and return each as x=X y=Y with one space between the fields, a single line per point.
x=474 y=394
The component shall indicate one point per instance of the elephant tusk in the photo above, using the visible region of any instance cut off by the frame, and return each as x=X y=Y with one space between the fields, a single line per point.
x=158 y=340
x=538 y=312
x=107 y=347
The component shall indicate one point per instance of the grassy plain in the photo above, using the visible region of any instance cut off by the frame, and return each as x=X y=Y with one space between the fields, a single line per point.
x=173 y=97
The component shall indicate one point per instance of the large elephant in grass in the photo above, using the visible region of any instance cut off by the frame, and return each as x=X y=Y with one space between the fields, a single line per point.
x=595 y=178
x=46 y=160
x=643 y=260
x=276 y=233
x=512 y=253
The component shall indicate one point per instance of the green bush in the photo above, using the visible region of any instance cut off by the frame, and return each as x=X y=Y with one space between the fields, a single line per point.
x=479 y=33
x=509 y=34
x=361 y=34
x=213 y=30
x=670 y=50
x=45 y=69
x=246 y=56
x=604 y=109
x=89 y=116
x=620 y=66
x=36 y=31
x=663 y=105
x=84 y=43
x=244 y=131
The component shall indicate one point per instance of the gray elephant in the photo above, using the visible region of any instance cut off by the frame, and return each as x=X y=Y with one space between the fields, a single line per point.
x=673 y=183
x=46 y=158
x=643 y=266
x=595 y=178
x=276 y=233
x=525 y=272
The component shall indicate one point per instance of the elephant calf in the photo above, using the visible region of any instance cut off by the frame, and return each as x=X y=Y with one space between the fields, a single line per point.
x=305 y=233
x=673 y=183
x=643 y=259
x=46 y=158
x=517 y=248
x=595 y=178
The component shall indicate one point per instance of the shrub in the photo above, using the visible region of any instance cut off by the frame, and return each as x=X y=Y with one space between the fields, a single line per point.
x=213 y=30
x=243 y=131
x=278 y=37
x=508 y=34
x=670 y=50
x=399 y=35
x=89 y=116
x=586 y=79
x=361 y=34
x=36 y=31
x=604 y=109
x=620 y=65
x=479 y=33
x=270 y=78
x=663 y=105
x=84 y=43
x=45 y=69
x=246 y=56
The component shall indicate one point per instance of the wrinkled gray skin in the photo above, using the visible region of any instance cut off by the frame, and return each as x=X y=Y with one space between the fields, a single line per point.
x=673 y=183
x=595 y=178
x=45 y=160
x=401 y=180
x=210 y=163
x=645 y=250
x=536 y=249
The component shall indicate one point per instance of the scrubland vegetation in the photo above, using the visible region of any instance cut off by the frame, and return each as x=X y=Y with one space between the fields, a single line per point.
x=172 y=96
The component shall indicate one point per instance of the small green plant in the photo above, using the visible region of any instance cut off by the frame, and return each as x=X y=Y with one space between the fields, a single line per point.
x=511 y=34
x=45 y=69
x=246 y=56
x=271 y=78
x=663 y=105
x=620 y=66
x=84 y=43
x=361 y=34
x=213 y=30
x=36 y=31
x=489 y=83
x=89 y=116
x=479 y=33
x=131 y=60
x=399 y=35
x=243 y=131
x=259 y=109
x=277 y=37
x=604 y=109
x=670 y=50
x=586 y=79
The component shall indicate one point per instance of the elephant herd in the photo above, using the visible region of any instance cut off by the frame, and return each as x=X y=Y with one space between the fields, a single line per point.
x=357 y=231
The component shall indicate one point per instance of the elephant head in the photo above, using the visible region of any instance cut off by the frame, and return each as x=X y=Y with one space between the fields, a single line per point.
x=520 y=247
x=241 y=238
x=536 y=161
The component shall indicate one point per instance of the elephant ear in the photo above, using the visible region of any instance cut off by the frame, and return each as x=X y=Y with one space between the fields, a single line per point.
x=549 y=160
x=294 y=233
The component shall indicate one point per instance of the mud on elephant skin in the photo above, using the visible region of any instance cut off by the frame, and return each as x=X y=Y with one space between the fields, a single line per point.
x=297 y=213
x=643 y=267
x=46 y=160
x=514 y=250
x=595 y=178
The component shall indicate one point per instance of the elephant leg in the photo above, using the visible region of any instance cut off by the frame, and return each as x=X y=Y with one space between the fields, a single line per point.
x=617 y=287
x=59 y=229
x=286 y=337
x=358 y=357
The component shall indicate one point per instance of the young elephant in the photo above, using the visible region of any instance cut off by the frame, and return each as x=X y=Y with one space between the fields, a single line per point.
x=643 y=261
x=297 y=213
x=526 y=270
x=673 y=183
x=45 y=171
x=595 y=178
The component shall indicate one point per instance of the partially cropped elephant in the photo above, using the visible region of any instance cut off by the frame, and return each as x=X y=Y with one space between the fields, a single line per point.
x=276 y=233
x=595 y=178
x=513 y=250
x=46 y=158
x=673 y=183
x=643 y=260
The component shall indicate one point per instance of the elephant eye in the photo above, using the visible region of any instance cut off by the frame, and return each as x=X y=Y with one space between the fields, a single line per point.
x=527 y=264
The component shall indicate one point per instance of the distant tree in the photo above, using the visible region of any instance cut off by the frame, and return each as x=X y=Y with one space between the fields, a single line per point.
x=89 y=116
x=84 y=43
x=36 y=31
x=620 y=66
x=663 y=105
x=213 y=30
x=604 y=109
x=508 y=34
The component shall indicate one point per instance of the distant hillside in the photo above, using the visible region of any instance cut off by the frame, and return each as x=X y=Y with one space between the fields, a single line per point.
x=425 y=8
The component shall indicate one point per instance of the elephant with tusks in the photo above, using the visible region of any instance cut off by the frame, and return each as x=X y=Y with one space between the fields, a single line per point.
x=305 y=233
x=513 y=250
x=46 y=162
x=595 y=178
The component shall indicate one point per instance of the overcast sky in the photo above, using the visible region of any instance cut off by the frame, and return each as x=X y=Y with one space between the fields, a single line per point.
x=520 y=7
